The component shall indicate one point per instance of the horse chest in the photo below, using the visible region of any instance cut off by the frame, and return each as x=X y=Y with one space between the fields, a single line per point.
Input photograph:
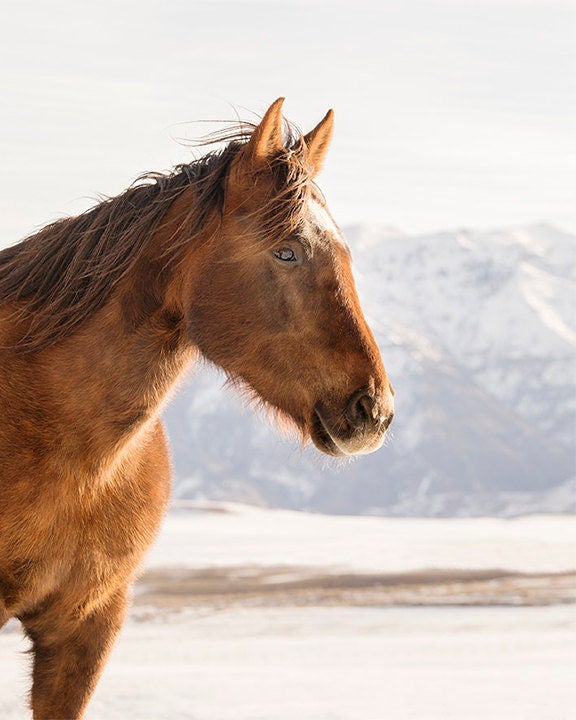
x=77 y=551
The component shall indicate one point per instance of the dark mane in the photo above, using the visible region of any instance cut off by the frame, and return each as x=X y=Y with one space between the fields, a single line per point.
x=62 y=274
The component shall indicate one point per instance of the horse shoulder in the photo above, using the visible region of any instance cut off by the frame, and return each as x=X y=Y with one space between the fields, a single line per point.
x=80 y=547
x=121 y=525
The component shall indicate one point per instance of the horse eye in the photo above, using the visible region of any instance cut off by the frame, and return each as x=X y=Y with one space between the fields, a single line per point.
x=285 y=254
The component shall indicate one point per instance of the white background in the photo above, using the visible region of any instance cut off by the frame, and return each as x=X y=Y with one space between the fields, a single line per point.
x=448 y=112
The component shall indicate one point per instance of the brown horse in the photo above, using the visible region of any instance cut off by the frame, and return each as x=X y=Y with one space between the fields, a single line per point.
x=233 y=257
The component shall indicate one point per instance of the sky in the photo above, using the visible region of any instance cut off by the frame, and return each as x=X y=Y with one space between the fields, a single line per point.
x=449 y=113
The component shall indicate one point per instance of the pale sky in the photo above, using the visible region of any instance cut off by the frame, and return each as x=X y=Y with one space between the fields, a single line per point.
x=449 y=113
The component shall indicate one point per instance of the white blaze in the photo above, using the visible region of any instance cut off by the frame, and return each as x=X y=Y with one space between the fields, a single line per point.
x=321 y=218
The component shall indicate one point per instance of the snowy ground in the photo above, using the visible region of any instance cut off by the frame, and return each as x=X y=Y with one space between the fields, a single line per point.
x=332 y=664
x=257 y=657
x=239 y=535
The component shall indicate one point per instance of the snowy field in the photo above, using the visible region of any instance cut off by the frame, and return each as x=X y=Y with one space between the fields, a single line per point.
x=332 y=664
x=232 y=654
x=240 y=535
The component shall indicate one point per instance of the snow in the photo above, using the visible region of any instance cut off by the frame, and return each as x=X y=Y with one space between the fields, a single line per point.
x=332 y=664
x=347 y=664
x=235 y=535
x=541 y=290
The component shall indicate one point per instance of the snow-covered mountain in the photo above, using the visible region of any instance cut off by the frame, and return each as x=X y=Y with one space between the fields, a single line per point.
x=477 y=331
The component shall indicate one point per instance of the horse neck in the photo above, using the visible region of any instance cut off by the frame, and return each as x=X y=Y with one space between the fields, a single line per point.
x=111 y=378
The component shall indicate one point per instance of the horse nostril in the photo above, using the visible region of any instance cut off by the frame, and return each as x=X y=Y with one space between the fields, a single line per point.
x=360 y=410
x=387 y=421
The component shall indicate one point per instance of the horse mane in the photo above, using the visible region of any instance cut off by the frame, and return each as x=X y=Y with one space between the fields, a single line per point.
x=58 y=277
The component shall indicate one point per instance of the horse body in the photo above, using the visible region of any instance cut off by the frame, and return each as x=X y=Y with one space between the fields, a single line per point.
x=85 y=471
x=85 y=481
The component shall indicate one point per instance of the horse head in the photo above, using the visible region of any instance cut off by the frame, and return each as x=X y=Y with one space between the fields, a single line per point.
x=271 y=299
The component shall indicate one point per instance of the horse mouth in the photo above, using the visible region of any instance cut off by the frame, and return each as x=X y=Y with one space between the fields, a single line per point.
x=322 y=438
x=333 y=437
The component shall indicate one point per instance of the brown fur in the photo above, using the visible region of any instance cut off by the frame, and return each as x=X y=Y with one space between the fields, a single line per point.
x=99 y=316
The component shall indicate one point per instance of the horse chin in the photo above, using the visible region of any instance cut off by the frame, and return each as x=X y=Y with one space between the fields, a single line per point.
x=322 y=438
x=328 y=443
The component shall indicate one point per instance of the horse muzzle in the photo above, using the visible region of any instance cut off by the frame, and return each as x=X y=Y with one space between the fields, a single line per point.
x=356 y=428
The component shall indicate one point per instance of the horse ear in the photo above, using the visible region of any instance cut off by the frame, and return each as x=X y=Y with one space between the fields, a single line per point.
x=317 y=142
x=267 y=139
x=265 y=142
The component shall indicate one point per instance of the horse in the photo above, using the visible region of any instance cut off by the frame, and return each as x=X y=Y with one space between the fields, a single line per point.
x=233 y=258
